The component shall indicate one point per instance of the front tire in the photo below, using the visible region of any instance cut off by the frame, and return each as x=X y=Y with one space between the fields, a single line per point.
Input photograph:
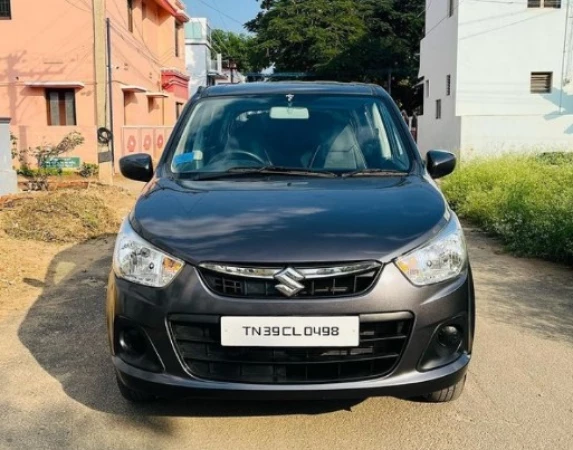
x=448 y=394
x=132 y=395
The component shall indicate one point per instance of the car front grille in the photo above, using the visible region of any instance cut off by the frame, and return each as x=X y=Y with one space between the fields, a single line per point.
x=251 y=287
x=381 y=346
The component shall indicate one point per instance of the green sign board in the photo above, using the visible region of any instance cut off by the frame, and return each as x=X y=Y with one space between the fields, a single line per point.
x=67 y=162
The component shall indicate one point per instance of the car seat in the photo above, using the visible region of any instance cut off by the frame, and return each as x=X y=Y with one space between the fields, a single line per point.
x=340 y=152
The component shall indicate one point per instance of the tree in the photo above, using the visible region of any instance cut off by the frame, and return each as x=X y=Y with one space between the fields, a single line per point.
x=238 y=47
x=346 y=40
x=305 y=35
x=392 y=45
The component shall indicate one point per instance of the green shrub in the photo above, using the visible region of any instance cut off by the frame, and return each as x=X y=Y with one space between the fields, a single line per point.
x=525 y=200
x=556 y=158
x=13 y=145
x=28 y=172
x=89 y=170
x=42 y=154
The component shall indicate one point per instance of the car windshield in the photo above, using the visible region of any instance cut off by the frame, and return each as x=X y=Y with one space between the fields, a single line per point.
x=303 y=133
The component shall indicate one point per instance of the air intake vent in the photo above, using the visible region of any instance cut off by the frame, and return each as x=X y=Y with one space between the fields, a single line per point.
x=199 y=346
x=541 y=82
x=350 y=279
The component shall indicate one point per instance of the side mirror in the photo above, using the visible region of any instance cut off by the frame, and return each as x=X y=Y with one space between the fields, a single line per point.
x=440 y=163
x=138 y=167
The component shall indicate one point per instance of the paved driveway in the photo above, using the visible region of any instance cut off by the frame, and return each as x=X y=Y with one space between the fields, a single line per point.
x=57 y=388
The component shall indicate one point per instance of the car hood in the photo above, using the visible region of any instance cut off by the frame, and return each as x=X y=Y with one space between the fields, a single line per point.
x=322 y=220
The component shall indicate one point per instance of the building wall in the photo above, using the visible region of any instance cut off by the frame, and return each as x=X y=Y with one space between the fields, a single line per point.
x=8 y=180
x=500 y=45
x=225 y=78
x=197 y=57
x=492 y=135
x=53 y=41
x=138 y=59
x=438 y=59
x=46 y=42
x=198 y=53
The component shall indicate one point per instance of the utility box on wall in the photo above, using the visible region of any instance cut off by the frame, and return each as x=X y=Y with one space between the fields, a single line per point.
x=8 y=179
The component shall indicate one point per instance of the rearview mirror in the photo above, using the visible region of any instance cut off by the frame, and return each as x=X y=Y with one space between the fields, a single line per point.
x=138 y=167
x=440 y=163
x=289 y=112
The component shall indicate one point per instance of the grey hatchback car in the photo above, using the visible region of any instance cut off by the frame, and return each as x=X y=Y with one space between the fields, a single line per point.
x=291 y=243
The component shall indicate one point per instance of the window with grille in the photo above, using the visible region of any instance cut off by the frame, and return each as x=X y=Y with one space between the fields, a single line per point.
x=130 y=15
x=438 y=109
x=61 y=107
x=544 y=3
x=5 y=10
x=449 y=85
x=541 y=82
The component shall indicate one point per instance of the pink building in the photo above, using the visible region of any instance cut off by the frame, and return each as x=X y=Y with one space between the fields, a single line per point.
x=47 y=71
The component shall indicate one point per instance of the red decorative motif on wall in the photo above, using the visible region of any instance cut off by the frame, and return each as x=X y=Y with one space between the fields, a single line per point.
x=147 y=141
x=131 y=144
x=150 y=140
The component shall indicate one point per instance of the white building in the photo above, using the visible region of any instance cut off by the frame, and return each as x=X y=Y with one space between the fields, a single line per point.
x=204 y=66
x=498 y=76
x=231 y=76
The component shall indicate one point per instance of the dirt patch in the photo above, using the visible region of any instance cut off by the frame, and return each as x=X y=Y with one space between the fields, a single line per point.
x=25 y=263
x=62 y=216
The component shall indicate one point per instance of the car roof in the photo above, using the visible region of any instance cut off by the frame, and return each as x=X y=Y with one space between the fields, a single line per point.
x=300 y=87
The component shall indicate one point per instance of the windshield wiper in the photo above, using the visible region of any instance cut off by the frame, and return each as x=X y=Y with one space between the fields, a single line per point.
x=375 y=172
x=265 y=170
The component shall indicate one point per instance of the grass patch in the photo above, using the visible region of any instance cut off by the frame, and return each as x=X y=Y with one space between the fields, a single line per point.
x=525 y=200
x=61 y=216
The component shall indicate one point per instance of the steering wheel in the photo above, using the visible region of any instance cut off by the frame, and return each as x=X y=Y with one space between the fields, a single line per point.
x=225 y=155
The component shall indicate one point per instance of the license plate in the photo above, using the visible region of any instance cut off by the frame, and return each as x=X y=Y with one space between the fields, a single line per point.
x=290 y=331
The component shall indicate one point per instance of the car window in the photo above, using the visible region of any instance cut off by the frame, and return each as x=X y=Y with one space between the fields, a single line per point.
x=330 y=133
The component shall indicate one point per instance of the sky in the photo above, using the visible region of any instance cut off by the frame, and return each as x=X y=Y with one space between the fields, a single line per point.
x=225 y=14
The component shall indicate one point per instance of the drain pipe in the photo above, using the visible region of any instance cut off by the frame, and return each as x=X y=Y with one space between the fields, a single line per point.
x=110 y=93
x=564 y=55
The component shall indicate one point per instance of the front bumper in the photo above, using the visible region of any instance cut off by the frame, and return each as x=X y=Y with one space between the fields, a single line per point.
x=403 y=386
x=430 y=308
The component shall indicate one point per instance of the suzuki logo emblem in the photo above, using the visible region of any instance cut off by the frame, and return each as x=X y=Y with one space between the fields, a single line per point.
x=289 y=282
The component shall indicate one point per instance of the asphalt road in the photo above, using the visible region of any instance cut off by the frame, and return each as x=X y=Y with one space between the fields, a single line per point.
x=57 y=389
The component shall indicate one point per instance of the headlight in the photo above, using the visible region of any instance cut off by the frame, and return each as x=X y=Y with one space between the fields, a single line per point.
x=140 y=262
x=440 y=259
